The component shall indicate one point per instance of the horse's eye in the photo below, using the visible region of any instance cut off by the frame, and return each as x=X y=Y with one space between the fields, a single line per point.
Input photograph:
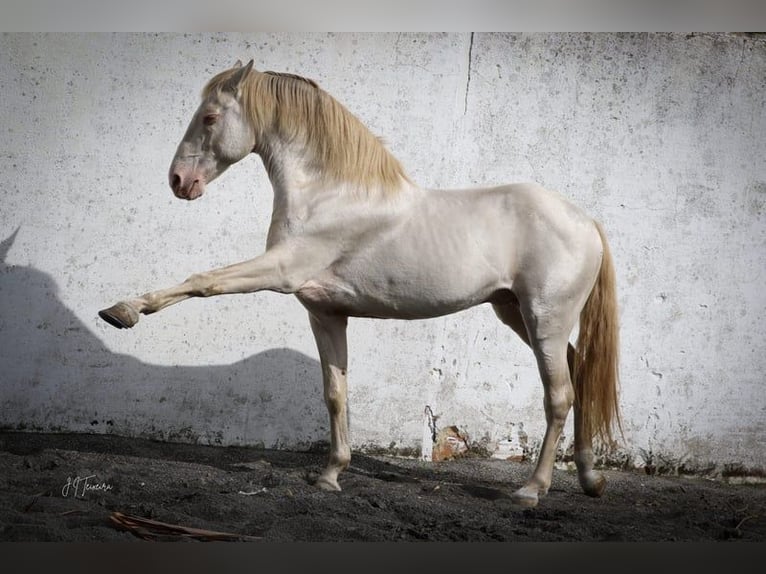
x=210 y=119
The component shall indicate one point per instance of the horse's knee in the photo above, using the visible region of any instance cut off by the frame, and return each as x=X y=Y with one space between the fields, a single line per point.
x=335 y=390
x=335 y=401
x=200 y=285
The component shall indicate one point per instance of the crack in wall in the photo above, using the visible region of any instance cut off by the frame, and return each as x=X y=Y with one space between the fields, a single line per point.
x=468 y=75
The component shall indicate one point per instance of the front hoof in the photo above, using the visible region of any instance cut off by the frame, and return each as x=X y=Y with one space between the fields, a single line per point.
x=121 y=315
x=328 y=484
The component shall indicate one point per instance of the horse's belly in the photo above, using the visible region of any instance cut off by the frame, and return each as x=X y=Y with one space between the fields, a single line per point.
x=392 y=298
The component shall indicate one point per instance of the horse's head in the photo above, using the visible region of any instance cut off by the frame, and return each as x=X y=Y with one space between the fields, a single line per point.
x=218 y=136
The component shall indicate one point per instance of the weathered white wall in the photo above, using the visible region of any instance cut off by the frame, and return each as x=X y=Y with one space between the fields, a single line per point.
x=661 y=137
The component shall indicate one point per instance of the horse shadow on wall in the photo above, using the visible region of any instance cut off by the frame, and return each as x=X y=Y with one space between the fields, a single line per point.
x=56 y=375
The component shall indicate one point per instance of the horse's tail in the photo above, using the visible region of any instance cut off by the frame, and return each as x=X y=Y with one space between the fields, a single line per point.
x=596 y=361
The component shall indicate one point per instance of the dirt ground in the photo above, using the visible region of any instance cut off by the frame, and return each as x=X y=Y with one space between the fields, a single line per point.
x=267 y=495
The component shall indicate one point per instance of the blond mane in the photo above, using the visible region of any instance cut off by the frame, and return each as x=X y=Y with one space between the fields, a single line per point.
x=296 y=107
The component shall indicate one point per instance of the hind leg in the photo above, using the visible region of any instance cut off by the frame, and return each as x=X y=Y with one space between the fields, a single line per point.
x=510 y=314
x=557 y=401
x=593 y=483
x=549 y=342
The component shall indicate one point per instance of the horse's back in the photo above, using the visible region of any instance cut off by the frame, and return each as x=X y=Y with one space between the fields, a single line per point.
x=533 y=202
x=537 y=222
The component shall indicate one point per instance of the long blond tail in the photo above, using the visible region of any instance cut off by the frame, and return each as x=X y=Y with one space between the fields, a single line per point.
x=596 y=364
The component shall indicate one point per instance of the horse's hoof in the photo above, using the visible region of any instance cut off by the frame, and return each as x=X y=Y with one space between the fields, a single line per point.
x=594 y=485
x=121 y=315
x=525 y=498
x=328 y=484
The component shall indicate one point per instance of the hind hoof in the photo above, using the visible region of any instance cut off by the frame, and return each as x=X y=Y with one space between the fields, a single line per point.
x=121 y=315
x=594 y=485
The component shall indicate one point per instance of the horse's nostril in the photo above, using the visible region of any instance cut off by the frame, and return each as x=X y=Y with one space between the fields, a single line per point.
x=175 y=182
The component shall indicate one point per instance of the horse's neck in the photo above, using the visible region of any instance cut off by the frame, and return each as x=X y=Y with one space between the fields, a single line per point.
x=312 y=206
x=300 y=188
x=294 y=182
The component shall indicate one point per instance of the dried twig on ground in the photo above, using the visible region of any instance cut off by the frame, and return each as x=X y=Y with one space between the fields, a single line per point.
x=153 y=529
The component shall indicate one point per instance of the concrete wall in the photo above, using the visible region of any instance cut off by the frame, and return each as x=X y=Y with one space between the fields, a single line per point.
x=658 y=136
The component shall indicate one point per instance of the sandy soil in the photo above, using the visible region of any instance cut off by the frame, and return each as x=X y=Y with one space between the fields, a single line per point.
x=267 y=495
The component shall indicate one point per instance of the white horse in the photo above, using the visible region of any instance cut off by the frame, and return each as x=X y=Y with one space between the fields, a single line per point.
x=352 y=236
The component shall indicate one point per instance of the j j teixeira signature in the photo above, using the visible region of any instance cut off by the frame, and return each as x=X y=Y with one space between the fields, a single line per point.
x=80 y=485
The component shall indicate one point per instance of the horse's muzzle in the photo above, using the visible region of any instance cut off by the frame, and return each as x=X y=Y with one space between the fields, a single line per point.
x=186 y=188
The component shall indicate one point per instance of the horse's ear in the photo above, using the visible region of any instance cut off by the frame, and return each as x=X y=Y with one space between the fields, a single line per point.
x=237 y=64
x=233 y=83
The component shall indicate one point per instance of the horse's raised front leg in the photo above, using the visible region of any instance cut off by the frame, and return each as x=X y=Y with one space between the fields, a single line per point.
x=330 y=334
x=275 y=270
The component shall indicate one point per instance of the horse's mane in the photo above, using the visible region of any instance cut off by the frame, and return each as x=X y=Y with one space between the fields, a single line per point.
x=296 y=107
